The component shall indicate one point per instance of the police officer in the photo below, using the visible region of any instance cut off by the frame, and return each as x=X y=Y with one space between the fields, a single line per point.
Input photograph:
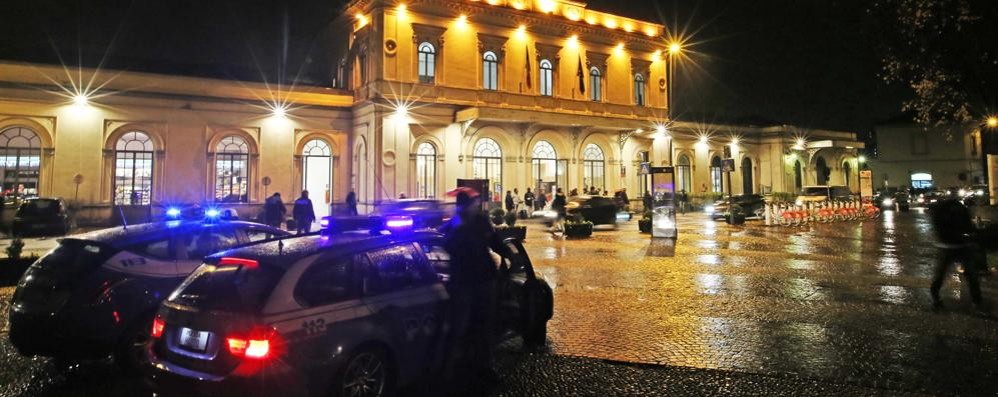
x=468 y=237
x=303 y=213
x=951 y=221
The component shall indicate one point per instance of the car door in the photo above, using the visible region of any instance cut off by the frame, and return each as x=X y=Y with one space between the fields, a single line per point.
x=151 y=256
x=403 y=292
x=249 y=234
x=202 y=241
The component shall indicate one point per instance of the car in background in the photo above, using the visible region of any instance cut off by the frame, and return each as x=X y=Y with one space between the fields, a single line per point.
x=892 y=200
x=95 y=294
x=349 y=313
x=751 y=205
x=425 y=213
x=41 y=216
x=600 y=210
x=931 y=197
x=977 y=195
x=814 y=194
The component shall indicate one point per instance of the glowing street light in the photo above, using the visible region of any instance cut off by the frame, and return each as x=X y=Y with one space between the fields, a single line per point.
x=861 y=159
x=279 y=111
x=734 y=141
x=991 y=122
x=80 y=100
x=675 y=48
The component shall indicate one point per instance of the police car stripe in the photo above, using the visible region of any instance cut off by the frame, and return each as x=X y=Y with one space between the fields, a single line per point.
x=405 y=298
x=131 y=263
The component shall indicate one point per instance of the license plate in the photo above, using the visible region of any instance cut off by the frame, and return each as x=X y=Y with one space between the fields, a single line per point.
x=194 y=340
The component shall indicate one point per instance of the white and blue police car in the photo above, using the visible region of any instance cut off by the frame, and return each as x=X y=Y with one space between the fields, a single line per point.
x=95 y=293
x=352 y=313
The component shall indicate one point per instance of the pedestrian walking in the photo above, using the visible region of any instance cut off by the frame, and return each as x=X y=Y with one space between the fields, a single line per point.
x=274 y=210
x=510 y=203
x=468 y=237
x=954 y=232
x=542 y=201
x=517 y=200
x=351 y=203
x=558 y=205
x=528 y=200
x=684 y=200
x=625 y=201
x=303 y=213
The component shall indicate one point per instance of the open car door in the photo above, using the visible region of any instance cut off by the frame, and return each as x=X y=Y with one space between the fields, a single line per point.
x=525 y=302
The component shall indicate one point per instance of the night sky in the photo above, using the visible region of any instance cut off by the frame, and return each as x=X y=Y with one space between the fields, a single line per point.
x=811 y=63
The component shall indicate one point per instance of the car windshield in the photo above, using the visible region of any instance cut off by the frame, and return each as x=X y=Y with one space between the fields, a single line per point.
x=815 y=191
x=235 y=288
x=39 y=208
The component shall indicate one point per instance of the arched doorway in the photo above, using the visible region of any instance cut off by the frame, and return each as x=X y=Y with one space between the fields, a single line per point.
x=747 y=176
x=684 y=175
x=798 y=176
x=548 y=172
x=821 y=171
x=426 y=170
x=317 y=175
x=716 y=181
x=20 y=153
x=847 y=174
x=487 y=164
x=593 y=167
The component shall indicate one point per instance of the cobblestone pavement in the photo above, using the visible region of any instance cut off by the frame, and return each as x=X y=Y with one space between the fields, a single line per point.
x=837 y=309
x=845 y=302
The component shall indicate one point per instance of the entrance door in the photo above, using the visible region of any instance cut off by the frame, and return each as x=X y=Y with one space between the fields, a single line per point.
x=317 y=175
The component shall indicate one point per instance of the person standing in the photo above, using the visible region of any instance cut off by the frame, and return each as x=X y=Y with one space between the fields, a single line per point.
x=274 y=210
x=351 y=203
x=558 y=205
x=625 y=201
x=510 y=203
x=684 y=200
x=303 y=213
x=542 y=201
x=954 y=231
x=528 y=200
x=517 y=200
x=647 y=201
x=468 y=236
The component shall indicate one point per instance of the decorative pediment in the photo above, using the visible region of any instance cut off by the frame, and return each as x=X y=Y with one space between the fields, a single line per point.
x=430 y=33
x=496 y=44
x=641 y=66
x=597 y=60
x=549 y=52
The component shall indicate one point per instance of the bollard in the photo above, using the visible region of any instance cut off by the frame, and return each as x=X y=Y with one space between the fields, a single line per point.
x=767 y=216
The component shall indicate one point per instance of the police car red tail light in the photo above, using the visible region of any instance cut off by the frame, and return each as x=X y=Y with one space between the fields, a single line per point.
x=248 y=263
x=157 y=327
x=261 y=343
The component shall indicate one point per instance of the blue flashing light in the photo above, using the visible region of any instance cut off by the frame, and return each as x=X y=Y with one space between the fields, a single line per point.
x=173 y=212
x=398 y=222
x=324 y=223
x=211 y=213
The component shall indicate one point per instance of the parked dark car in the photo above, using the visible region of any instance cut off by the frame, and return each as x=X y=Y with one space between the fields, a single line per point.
x=599 y=210
x=41 y=216
x=752 y=205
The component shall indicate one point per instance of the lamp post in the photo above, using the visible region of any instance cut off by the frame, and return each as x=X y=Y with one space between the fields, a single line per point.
x=674 y=50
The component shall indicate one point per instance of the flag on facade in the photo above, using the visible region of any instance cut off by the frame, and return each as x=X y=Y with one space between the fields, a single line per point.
x=526 y=65
x=582 y=79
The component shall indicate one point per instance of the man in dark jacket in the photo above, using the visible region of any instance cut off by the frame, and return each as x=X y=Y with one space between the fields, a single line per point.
x=468 y=237
x=273 y=210
x=303 y=213
x=647 y=201
x=510 y=202
x=951 y=221
x=351 y=203
x=528 y=200
x=558 y=204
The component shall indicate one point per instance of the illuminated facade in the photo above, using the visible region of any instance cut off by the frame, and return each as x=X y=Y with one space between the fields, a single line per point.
x=525 y=93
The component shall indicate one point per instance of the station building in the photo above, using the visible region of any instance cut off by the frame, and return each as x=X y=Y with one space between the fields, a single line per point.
x=524 y=93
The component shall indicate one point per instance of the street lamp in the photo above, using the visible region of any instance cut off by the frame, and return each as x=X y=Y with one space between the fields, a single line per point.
x=674 y=50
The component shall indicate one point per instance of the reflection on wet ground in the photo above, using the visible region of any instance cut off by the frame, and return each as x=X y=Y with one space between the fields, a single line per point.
x=847 y=302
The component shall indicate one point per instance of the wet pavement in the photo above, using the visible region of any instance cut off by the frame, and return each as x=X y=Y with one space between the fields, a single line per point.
x=827 y=309
x=843 y=302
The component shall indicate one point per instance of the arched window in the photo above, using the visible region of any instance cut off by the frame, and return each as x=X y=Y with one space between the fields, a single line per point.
x=716 y=182
x=133 y=167
x=20 y=154
x=747 y=183
x=232 y=170
x=490 y=71
x=487 y=164
x=427 y=63
x=594 y=167
x=547 y=78
x=639 y=89
x=426 y=170
x=595 y=84
x=847 y=173
x=684 y=175
x=549 y=172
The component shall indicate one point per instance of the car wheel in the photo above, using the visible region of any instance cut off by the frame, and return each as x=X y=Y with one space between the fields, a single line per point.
x=130 y=355
x=535 y=336
x=366 y=373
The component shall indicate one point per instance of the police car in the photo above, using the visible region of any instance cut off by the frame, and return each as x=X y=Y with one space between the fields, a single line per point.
x=96 y=293
x=344 y=314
